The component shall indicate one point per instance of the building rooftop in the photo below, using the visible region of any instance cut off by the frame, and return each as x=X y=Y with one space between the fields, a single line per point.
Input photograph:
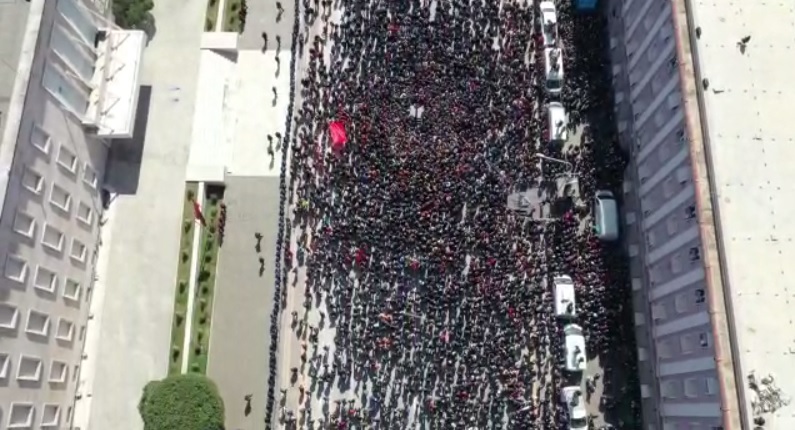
x=748 y=102
x=13 y=18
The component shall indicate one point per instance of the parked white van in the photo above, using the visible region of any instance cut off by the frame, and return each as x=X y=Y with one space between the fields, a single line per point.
x=548 y=23
x=574 y=344
x=565 y=306
x=553 y=70
x=557 y=122
x=575 y=402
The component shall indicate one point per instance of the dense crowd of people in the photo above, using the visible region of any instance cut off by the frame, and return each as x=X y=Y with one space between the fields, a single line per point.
x=437 y=291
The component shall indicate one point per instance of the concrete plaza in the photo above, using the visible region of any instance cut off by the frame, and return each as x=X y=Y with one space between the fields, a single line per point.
x=128 y=338
x=240 y=338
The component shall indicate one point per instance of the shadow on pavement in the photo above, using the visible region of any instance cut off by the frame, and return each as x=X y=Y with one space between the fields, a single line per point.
x=124 y=165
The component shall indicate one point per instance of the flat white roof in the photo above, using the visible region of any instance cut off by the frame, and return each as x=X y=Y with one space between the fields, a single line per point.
x=548 y=12
x=565 y=305
x=575 y=347
x=749 y=114
x=114 y=102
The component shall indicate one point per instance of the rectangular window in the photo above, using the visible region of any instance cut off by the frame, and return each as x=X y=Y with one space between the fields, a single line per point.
x=29 y=368
x=66 y=92
x=32 y=181
x=9 y=316
x=671 y=389
x=40 y=139
x=701 y=296
x=20 y=416
x=89 y=175
x=45 y=280
x=60 y=198
x=85 y=214
x=79 y=19
x=711 y=386
x=67 y=159
x=672 y=225
x=78 y=251
x=16 y=269
x=58 y=370
x=65 y=330
x=51 y=416
x=4 y=360
x=684 y=302
x=71 y=290
x=38 y=323
x=63 y=43
x=24 y=224
x=52 y=238
x=692 y=387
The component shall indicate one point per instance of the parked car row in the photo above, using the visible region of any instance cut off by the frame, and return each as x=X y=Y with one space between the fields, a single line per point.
x=575 y=358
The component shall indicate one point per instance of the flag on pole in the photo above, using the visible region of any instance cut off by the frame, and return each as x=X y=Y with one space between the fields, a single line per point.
x=197 y=213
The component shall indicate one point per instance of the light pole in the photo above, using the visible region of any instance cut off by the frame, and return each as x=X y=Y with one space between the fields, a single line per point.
x=556 y=160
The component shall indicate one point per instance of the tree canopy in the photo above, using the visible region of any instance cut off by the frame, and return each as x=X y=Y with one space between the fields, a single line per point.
x=132 y=13
x=185 y=402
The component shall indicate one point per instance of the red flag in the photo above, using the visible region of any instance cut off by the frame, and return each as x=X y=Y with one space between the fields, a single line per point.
x=338 y=136
x=197 y=213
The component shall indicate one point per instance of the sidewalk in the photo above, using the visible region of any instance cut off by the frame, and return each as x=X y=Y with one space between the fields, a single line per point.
x=133 y=336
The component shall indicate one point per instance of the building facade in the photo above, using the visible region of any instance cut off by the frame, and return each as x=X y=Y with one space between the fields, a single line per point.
x=73 y=92
x=665 y=239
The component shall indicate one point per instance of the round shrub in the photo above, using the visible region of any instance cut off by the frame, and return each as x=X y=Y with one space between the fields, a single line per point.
x=186 y=402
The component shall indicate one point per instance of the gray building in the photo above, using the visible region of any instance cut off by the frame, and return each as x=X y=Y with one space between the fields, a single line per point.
x=68 y=86
x=701 y=91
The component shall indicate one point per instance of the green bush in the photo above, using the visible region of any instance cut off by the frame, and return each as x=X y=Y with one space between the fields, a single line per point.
x=132 y=13
x=185 y=402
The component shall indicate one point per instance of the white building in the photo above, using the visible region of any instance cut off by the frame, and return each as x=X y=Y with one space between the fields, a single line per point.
x=68 y=86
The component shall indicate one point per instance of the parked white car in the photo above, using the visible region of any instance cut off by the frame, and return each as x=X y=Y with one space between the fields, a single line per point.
x=557 y=129
x=548 y=23
x=553 y=70
x=574 y=344
x=565 y=305
x=574 y=399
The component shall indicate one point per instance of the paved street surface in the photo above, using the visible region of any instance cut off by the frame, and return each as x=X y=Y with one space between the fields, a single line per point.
x=131 y=325
x=262 y=17
x=240 y=339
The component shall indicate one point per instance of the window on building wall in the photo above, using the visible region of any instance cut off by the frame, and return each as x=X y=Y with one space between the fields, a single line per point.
x=24 y=224
x=9 y=316
x=67 y=159
x=704 y=339
x=672 y=225
x=701 y=296
x=77 y=56
x=40 y=139
x=5 y=359
x=65 y=330
x=658 y=312
x=683 y=175
x=16 y=268
x=648 y=21
x=695 y=253
x=85 y=214
x=663 y=152
x=655 y=85
x=52 y=238
x=20 y=416
x=58 y=371
x=60 y=198
x=671 y=389
x=665 y=348
x=659 y=118
x=51 y=416
x=673 y=100
x=71 y=290
x=690 y=212
x=669 y=187
x=651 y=240
x=45 y=279
x=29 y=368
x=711 y=386
x=89 y=176
x=80 y=19
x=676 y=263
x=66 y=92
x=38 y=323
x=683 y=302
x=78 y=251
x=32 y=181
x=692 y=387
